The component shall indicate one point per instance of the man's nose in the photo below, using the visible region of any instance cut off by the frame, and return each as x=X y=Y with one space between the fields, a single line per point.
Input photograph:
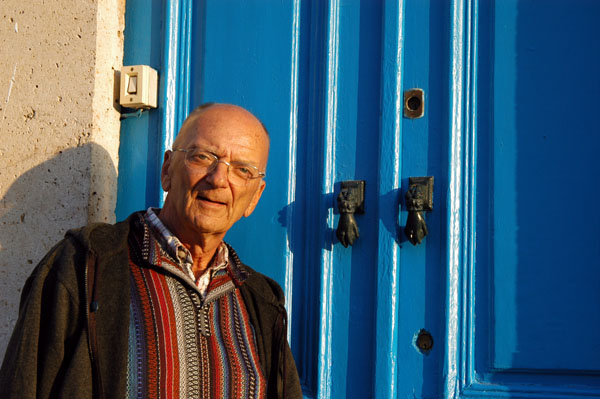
x=219 y=175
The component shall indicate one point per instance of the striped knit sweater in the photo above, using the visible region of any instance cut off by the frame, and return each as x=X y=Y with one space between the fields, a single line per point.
x=181 y=346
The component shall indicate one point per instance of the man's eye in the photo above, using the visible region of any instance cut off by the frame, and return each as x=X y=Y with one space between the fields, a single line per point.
x=244 y=171
x=201 y=157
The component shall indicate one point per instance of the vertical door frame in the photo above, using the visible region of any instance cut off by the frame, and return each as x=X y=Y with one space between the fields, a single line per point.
x=387 y=323
x=175 y=85
x=459 y=369
x=158 y=35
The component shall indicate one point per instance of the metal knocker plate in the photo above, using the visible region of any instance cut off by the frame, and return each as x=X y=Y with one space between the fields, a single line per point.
x=350 y=200
x=418 y=198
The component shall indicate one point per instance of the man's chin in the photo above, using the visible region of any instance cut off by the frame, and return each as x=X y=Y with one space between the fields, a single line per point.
x=209 y=225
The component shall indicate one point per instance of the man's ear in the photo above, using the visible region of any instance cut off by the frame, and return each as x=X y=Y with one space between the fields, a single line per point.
x=255 y=199
x=165 y=177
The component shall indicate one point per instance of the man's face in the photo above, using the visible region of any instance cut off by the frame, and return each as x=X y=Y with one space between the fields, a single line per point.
x=198 y=204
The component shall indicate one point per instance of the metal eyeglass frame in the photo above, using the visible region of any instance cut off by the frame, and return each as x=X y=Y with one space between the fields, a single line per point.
x=217 y=160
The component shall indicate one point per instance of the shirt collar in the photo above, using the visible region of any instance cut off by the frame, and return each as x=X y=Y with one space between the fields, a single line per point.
x=168 y=240
x=176 y=250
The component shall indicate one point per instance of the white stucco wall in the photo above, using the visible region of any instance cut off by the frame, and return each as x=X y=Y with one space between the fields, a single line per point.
x=58 y=127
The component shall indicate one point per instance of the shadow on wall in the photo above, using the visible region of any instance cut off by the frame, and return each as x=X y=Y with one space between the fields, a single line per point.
x=36 y=211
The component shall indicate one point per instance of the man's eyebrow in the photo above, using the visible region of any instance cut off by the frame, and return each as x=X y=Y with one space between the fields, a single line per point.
x=247 y=163
x=207 y=149
x=215 y=153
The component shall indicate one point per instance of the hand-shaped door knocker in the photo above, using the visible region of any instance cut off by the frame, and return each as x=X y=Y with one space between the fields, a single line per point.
x=350 y=200
x=419 y=198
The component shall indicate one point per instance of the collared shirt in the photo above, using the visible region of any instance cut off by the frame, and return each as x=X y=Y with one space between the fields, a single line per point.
x=180 y=253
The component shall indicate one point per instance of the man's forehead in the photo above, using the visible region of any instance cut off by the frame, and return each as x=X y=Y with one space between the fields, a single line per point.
x=201 y=122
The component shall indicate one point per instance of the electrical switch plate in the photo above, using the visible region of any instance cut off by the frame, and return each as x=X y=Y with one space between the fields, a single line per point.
x=139 y=87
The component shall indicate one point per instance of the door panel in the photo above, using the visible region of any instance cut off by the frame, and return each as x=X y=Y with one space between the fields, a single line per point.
x=529 y=292
x=545 y=86
x=424 y=153
x=238 y=59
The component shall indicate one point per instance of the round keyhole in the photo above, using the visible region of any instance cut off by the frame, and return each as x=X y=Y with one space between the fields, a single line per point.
x=413 y=103
x=424 y=341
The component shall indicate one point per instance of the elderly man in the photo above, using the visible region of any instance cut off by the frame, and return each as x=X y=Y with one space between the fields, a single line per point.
x=159 y=306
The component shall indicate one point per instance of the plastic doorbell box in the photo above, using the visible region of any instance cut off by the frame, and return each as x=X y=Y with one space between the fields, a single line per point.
x=139 y=87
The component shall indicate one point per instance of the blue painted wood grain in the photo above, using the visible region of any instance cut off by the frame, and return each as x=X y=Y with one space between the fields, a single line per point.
x=513 y=280
x=495 y=283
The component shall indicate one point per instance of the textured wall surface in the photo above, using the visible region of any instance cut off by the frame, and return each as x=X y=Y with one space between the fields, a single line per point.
x=59 y=129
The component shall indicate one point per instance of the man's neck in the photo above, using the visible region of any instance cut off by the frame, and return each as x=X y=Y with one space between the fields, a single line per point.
x=202 y=246
x=202 y=255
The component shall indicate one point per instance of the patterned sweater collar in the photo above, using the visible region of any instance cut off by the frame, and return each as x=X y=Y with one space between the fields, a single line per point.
x=161 y=251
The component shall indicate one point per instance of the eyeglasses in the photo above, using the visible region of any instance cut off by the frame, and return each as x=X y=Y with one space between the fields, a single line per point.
x=201 y=161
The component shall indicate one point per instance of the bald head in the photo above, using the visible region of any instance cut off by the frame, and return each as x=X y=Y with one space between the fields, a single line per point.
x=198 y=111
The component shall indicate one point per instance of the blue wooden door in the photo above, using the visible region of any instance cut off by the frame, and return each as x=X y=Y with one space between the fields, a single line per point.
x=507 y=283
x=528 y=324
